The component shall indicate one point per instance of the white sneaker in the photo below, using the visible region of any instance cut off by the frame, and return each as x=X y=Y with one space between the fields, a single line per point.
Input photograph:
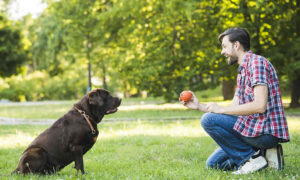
x=274 y=157
x=252 y=165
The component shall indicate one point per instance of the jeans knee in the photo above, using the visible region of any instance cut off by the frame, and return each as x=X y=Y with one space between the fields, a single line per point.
x=206 y=120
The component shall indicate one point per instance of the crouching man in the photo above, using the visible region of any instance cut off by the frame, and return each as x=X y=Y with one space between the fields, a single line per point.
x=250 y=130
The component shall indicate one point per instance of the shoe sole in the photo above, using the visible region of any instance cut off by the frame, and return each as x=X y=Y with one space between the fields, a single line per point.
x=252 y=171
x=263 y=168
x=240 y=172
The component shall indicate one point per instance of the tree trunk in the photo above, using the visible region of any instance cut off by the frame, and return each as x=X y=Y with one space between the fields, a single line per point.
x=104 y=76
x=227 y=89
x=88 y=48
x=295 y=94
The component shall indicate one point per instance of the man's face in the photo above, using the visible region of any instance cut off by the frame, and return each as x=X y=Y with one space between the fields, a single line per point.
x=228 y=50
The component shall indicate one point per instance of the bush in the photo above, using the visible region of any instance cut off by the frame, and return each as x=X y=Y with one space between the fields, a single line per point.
x=40 y=86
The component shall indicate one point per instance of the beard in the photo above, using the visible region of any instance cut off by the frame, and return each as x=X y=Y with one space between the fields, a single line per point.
x=232 y=60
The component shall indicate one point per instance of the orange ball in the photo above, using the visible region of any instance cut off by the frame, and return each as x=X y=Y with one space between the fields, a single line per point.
x=185 y=96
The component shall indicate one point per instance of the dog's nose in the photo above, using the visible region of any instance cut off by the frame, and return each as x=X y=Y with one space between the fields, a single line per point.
x=119 y=101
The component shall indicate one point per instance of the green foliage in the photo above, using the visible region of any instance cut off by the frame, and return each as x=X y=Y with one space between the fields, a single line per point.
x=161 y=47
x=40 y=86
x=164 y=46
x=12 y=52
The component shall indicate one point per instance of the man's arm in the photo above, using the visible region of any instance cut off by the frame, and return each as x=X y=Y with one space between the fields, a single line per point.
x=259 y=105
x=235 y=100
x=202 y=107
x=195 y=104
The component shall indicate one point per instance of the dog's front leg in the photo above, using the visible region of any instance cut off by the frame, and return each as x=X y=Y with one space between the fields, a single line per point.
x=77 y=152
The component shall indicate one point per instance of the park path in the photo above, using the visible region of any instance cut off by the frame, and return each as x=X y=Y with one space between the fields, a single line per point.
x=125 y=107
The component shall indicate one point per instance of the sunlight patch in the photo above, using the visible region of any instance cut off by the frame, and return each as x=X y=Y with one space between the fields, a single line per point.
x=161 y=106
x=15 y=140
x=178 y=131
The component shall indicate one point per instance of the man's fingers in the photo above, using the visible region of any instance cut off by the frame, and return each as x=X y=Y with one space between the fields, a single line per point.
x=183 y=102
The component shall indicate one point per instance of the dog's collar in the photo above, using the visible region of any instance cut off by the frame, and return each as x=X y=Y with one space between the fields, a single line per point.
x=86 y=117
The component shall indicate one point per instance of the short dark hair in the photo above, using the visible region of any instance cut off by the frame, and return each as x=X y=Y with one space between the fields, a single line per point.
x=237 y=34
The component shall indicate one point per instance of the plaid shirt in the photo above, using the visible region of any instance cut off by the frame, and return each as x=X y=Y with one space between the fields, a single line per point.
x=257 y=70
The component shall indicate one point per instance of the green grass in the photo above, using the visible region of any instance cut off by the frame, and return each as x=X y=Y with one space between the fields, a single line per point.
x=46 y=111
x=144 y=150
x=166 y=141
x=54 y=111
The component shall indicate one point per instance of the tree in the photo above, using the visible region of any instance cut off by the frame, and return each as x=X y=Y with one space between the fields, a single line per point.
x=162 y=46
x=274 y=30
x=72 y=29
x=12 y=53
x=286 y=51
x=165 y=45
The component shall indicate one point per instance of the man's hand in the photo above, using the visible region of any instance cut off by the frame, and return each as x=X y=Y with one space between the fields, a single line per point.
x=213 y=107
x=194 y=104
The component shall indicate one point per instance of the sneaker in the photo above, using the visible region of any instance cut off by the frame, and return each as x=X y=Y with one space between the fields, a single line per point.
x=274 y=157
x=252 y=165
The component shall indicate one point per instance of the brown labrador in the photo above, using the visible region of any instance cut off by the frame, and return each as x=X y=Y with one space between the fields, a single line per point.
x=70 y=137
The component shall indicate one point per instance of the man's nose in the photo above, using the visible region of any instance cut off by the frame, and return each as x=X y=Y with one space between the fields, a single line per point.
x=222 y=52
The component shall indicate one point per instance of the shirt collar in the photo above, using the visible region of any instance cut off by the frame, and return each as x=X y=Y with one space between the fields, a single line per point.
x=245 y=61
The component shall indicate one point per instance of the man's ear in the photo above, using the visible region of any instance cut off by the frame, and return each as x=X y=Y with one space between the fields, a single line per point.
x=95 y=99
x=237 y=45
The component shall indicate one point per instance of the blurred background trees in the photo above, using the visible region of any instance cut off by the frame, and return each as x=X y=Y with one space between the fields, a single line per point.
x=158 y=46
x=12 y=49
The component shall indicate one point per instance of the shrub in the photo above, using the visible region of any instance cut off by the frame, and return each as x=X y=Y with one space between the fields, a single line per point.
x=40 y=86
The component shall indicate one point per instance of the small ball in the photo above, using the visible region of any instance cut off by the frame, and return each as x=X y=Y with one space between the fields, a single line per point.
x=185 y=96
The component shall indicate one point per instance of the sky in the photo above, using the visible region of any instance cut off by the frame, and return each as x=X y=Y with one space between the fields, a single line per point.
x=21 y=8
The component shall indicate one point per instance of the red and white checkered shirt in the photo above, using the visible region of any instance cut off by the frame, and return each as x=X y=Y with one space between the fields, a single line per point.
x=257 y=70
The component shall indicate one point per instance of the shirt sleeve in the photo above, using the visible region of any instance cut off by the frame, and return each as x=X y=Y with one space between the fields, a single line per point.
x=259 y=71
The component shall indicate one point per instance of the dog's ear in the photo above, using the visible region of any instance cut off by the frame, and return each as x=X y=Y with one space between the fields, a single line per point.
x=95 y=98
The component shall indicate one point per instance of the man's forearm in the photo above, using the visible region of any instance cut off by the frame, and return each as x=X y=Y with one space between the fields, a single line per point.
x=245 y=109
x=202 y=107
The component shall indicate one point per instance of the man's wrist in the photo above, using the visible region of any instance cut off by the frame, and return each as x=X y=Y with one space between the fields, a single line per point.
x=200 y=107
x=223 y=110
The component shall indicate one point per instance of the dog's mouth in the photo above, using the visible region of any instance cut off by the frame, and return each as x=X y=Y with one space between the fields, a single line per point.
x=115 y=108
x=111 y=111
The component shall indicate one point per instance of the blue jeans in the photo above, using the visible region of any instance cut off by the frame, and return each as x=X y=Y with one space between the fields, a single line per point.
x=235 y=148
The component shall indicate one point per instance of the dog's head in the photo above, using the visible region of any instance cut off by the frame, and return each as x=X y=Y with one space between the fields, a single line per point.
x=102 y=99
x=97 y=103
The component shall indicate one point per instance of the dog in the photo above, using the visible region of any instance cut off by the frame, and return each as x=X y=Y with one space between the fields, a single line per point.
x=70 y=137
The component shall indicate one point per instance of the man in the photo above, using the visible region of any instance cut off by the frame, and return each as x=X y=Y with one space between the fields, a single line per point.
x=248 y=131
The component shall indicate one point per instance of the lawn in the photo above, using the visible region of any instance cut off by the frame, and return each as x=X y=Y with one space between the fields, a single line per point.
x=144 y=150
x=146 y=139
